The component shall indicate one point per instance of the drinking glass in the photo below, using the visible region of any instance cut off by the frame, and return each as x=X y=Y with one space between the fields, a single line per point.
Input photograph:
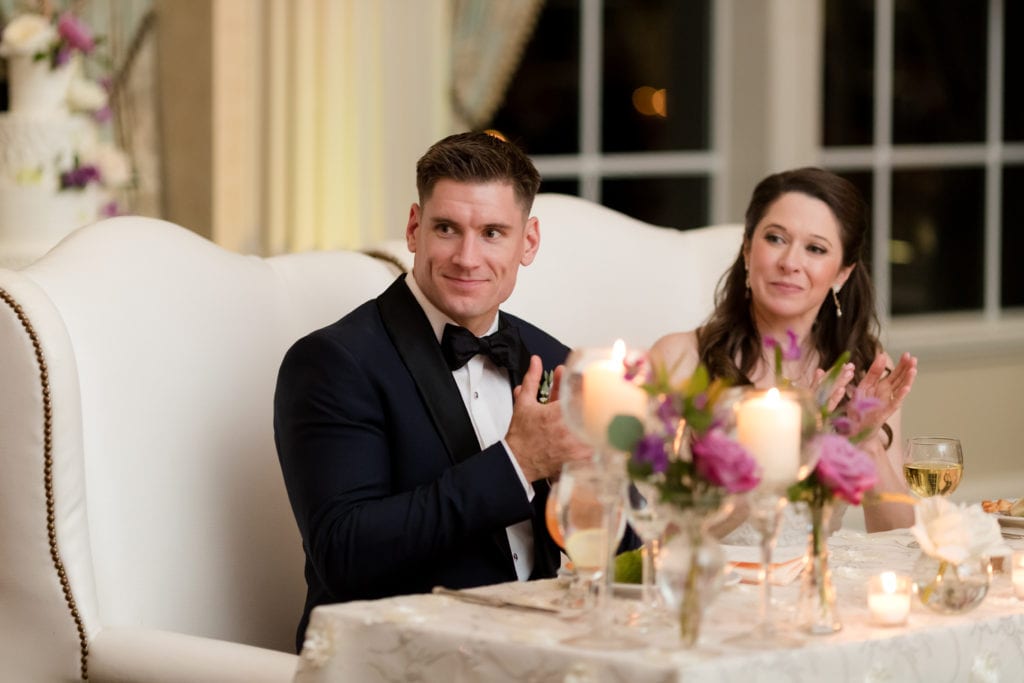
x=933 y=466
x=590 y=496
x=574 y=597
x=649 y=523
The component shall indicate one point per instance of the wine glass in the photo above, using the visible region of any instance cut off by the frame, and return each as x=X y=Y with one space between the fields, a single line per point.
x=590 y=497
x=574 y=597
x=649 y=523
x=775 y=426
x=933 y=466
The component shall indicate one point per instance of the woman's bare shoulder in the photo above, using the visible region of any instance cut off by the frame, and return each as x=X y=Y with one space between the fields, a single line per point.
x=678 y=351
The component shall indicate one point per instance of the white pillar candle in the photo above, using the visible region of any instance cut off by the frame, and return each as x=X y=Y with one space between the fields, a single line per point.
x=1018 y=573
x=889 y=598
x=607 y=393
x=768 y=425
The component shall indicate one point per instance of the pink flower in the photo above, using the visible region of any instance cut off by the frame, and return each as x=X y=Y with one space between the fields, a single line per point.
x=723 y=462
x=75 y=33
x=843 y=468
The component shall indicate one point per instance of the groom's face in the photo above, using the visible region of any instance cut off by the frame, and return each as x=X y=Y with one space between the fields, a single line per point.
x=469 y=240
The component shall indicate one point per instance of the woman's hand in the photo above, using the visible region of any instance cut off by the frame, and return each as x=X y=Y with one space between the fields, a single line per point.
x=888 y=388
x=838 y=388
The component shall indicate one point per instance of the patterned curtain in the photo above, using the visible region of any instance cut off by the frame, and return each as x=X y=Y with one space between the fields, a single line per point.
x=488 y=39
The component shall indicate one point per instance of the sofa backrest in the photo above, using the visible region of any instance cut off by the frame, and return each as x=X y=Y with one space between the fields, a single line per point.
x=138 y=367
x=601 y=275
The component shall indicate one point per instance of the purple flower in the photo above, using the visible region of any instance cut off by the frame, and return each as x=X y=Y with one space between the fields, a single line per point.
x=103 y=114
x=861 y=405
x=634 y=366
x=75 y=33
x=63 y=56
x=668 y=414
x=842 y=425
x=651 y=449
x=792 y=351
x=80 y=176
x=723 y=462
x=110 y=209
x=843 y=468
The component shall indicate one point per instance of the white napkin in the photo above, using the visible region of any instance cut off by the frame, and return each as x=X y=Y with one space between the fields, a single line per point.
x=787 y=562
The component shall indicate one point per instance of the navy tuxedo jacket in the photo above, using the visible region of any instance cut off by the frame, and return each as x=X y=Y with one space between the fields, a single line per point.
x=389 y=486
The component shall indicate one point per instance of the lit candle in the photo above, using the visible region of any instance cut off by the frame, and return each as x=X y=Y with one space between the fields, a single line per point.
x=607 y=393
x=889 y=598
x=768 y=425
x=1018 y=573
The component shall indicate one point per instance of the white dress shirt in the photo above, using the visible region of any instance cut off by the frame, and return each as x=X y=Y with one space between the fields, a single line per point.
x=486 y=392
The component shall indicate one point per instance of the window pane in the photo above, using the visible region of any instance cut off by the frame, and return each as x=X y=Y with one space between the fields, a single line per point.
x=862 y=180
x=1013 y=71
x=675 y=202
x=561 y=186
x=849 y=72
x=656 y=75
x=938 y=223
x=541 y=108
x=939 y=71
x=1013 y=236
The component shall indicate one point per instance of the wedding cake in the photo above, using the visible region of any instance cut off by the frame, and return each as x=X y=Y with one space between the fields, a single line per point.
x=52 y=175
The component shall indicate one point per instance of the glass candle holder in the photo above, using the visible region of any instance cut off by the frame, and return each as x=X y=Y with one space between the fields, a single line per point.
x=889 y=598
x=1017 y=573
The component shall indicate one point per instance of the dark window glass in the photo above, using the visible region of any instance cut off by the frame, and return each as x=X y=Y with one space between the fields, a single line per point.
x=938 y=229
x=862 y=180
x=849 y=72
x=655 y=94
x=1013 y=71
x=541 y=107
x=939 y=71
x=1013 y=236
x=561 y=186
x=671 y=202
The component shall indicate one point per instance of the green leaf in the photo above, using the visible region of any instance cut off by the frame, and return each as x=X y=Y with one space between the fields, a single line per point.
x=624 y=431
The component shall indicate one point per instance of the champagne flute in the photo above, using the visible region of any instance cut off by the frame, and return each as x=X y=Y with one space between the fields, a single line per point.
x=649 y=523
x=933 y=466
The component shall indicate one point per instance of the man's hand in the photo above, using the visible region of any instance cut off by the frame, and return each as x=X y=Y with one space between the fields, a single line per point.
x=537 y=434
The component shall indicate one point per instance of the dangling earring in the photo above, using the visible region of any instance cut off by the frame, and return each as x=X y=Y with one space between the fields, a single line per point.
x=835 y=298
x=747 y=282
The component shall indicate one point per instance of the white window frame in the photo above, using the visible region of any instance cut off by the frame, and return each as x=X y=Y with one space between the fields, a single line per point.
x=993 y=329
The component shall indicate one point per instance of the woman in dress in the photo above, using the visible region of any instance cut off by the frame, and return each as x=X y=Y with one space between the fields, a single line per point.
x=801 y=270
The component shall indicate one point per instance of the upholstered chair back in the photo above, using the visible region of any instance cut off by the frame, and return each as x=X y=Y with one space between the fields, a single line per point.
x=140 y=491
x=601 y=275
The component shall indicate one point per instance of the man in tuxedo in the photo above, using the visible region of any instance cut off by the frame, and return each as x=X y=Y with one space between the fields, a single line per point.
x=414 y=453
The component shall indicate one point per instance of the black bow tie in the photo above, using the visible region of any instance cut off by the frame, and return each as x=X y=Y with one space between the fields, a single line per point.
x=459 y=345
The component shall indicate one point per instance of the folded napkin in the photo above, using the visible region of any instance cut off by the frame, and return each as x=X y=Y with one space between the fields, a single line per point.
x=745 y=560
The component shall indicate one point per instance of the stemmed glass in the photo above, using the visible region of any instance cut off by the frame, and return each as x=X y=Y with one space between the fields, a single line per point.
x=590 y=497
x=649 y=523
x=933 y=466
x=595 y=390
x=774 y=426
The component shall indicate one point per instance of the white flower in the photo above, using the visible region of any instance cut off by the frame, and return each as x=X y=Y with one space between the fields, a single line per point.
x=27 y=34
x=113 y=164
x=955 y=533
x=86 y=95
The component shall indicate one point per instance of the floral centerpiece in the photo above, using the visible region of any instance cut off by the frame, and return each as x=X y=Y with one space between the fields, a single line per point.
x=842 y=471
x=684 y=457
x=953 y=573
x=56 y=38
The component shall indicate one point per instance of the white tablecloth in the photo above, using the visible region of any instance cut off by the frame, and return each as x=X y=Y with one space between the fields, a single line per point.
x=435 y=638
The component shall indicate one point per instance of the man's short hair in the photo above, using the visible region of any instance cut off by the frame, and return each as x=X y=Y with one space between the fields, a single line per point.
x=478 y=157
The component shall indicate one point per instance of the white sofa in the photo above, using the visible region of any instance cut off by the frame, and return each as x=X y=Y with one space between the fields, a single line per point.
x=145 y=533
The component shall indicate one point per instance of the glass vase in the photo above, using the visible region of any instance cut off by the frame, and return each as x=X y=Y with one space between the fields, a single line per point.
x=817 y=613
x=690 y=569
x=950 y=588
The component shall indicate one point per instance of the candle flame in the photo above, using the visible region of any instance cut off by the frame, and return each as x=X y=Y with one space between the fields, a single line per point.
x=888 y=581
x=619 y=351
x=772 y=396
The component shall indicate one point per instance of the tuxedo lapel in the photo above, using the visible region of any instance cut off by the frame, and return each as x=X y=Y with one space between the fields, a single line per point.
x=524 y=354
x=410 y=331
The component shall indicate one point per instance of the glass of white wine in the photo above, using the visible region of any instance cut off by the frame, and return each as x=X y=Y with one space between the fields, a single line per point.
x=933 y=466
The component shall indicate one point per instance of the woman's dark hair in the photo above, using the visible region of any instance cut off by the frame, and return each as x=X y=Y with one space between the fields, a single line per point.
x=729 y=336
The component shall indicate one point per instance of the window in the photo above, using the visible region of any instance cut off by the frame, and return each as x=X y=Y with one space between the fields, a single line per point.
x=920 y=113
x=613 y=102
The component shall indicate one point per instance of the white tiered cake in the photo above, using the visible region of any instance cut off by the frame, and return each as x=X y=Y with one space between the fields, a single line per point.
x=39 y=140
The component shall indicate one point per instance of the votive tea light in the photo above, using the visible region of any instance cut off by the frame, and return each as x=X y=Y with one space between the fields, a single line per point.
x=889 y=598
x=1018 y=573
